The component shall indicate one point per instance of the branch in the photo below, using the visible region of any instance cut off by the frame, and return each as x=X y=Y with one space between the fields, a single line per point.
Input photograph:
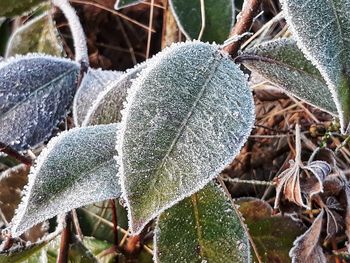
x=244 y=22
x=11 y=152
x=65 y=241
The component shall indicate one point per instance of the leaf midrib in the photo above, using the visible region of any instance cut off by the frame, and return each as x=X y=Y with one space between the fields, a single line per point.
x=18 y=104
x=215 y=64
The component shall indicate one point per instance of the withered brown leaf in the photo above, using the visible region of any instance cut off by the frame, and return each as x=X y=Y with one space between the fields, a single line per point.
x=307 y=248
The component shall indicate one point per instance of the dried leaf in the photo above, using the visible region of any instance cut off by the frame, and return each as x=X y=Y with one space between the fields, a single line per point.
x=321 y=28
x=76 y=169
x=188 y=115
x=307 y=248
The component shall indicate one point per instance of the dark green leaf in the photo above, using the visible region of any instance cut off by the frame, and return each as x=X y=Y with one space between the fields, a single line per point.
x=282 y=62
x=219 y=18
x=35 y=94
x=187 y=117
x=12 y=8
x=202 y=228
x=322 y=31
x=124 y=3
x=76 y=169
x=38 y=35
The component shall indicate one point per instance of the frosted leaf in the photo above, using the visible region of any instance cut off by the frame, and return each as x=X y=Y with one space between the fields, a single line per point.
x=282 y=62
x=37 y=35
x=219 y=14
x=201 y=228
x=322 y=31
x=125 y=3
x=12 y=8
x=307 y=247
x=76 y=169
x=35 y=94
x=94 y=82
x=187 y=117
x=109 y=103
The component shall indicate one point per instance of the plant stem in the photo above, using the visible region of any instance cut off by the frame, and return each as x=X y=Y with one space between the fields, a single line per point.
x=11 y=152
x=115 y=226
x=65 y=240
x=244 y=22
x=81 y=53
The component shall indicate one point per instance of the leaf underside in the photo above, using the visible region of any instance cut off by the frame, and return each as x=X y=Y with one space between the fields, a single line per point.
x=201 y=228
x=38 y=35
x=187 y=117
x=109 y=103
x=77 y=168
x=219 y=14
x=282 y=62
x=35 y=94
x=10 y=8
x=125 y=3
x=322 y=31
x=95 y=82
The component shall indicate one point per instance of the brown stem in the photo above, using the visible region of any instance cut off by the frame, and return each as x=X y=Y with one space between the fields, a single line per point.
x=115 y=226
x=243 y=25
x=65 y=240
x=11 y=152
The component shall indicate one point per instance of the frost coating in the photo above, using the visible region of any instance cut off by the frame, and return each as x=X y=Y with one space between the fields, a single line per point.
x=188 y=115
x=201 y=228
x=94 y=82
x=76 y=168
x=37 y=35
x=218 y=14
x=282 y=62
x=35 y=93
x=322 y=31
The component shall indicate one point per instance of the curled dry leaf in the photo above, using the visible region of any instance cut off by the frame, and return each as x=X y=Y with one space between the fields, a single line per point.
x=307 y=248
x=293 y=183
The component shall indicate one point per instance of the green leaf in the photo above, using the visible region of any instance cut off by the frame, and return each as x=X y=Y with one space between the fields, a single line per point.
x=188 y=115
x=282 y=62
x=273 y=236
x=109 y=103
x=94 y=83
x=76 y=169
x=35 y=94
x=38 y=35
x=201 y=228
x=23 y=254
x=12 y=8
x=125 y=3
x=219 y=18
x=322 y=29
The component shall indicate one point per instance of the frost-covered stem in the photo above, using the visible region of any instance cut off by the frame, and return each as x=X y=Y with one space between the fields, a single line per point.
x=81 y=53
x=244 y=22
x=297 y=144
x=65 y=240
x=222 y=183
x=11 y=152
x=253 y=182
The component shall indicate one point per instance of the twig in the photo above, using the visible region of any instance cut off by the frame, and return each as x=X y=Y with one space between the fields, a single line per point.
x=65 y=240
x=245 y=21
x=149 y=37
x=77 y=225
x=11 y=152
x=254 y=182
x=115 y=226
x=203 y=19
